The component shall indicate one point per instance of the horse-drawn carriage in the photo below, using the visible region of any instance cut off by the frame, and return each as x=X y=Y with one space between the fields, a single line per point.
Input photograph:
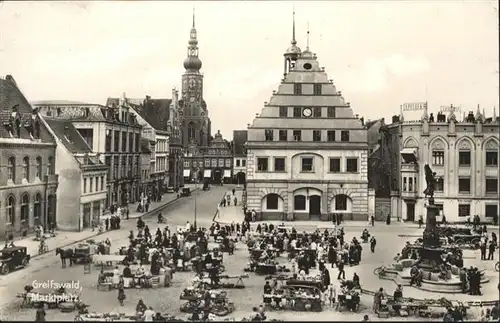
x=219 y=303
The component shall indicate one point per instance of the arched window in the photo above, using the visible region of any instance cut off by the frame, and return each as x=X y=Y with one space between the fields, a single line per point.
x=10 y=210
x=341 y=202
x=50 y=166
x=25 y=207
x=26 y=168
x=299 y=203
x=37 y=209
x=38 y=170
x=191 y=131
x=11 y=169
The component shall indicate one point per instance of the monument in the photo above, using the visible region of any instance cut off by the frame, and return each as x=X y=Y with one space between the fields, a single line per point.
x=438 y=274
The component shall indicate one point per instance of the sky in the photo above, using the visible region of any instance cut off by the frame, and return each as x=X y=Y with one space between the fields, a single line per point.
x=380 y=54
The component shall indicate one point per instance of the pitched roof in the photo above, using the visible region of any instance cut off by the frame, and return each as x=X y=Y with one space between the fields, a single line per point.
x=239 y=140
x=11 y=95
x=369 y=124
x=59 y=102
x=68 y=135
x=156 y=112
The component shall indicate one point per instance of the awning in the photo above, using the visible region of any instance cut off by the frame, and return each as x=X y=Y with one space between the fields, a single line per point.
x=227 y=173
x=187 y=172
x=207 y=173
x=409 y=155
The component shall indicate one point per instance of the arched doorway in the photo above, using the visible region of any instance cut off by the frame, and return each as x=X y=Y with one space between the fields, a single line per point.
x=241 y=178
x=272 y=207
x=341 y=207
x=51 y=212
x=307 y=203
x=25 y=210
x=37 y=210
x=315 y=205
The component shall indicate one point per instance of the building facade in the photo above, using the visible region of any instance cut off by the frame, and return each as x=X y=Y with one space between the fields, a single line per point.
x=113 y=133
x=82 y=178
x=196 y=125
x=153 y=116
x=28 y=183
x=214 y=166
x=239 y=156
x=464 y=156
x=306 y=150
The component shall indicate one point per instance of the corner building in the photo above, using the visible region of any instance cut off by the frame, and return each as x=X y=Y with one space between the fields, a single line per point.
x=306 y=150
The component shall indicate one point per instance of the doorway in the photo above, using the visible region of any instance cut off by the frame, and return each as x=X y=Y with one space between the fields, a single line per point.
x=217 y=176
x=51 y=213
x=240 y=178
x=314 y=205
x=410 y=211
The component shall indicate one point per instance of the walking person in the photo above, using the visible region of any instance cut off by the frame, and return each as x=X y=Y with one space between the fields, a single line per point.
x=373 y=243
x=340 y=266
x=121 y=291
x=372 y=220
x=491 y=250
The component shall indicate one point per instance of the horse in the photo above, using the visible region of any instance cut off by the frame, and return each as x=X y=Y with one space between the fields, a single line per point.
x=65 y=254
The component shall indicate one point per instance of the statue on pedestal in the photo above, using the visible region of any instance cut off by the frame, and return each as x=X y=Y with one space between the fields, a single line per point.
x=430 y=178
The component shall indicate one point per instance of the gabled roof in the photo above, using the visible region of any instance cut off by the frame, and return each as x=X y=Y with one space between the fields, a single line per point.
x=156 y=112
x=11 y=95
x=68 y=136
x=370 y=124
x=59 y=102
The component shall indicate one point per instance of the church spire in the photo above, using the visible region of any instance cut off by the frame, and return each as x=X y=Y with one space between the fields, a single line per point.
x=293 y=42
x=192 y=62
x=307 y=47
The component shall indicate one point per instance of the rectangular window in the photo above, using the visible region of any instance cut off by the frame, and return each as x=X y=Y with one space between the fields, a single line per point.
x=97 y=184
x=331 y=112
x=344 y=135
x=297 y=112
x=84 y=185
x=317 y=112
x=243 y=163
x=463 y=210
x=283 y=135
x=283 y=112
x=437 y=158
x=464 y=185
x=130 y=142
x=186 y=164
x=405 y=186
x=262 y=164
x=228 y=163
x=297 y=89
x=279 y=164
x=116 y=140
x=491 y=210
x=491 y=185
x=330 y=135
x=491 y=158
x=137 y=142
x=107 y=146
x=297 y=135
x=316 y=135
x=91 y=184
x=317 y=89
x=464 y=158
x=214 y=162
x=410 y=184
x=335 y=165
x=207 y=162
x=439 y=184
x=351 y=165
x=269 y=134
x=307 y=164
x=238 y=162
x=102 y=183
x=124 y=141
x=221 y=162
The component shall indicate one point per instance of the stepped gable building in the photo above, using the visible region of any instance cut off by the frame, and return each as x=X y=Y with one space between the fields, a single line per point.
x=113 y=134
x=239 y=156
x=82 y=178
x=306 y=150
x=463 y=152
x=196 y=125
x=28 y=183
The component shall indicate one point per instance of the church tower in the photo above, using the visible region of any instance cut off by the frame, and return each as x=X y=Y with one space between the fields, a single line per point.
x=196 y=124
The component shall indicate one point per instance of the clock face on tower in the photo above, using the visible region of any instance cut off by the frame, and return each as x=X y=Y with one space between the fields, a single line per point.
x=192 y=83
x=307 y=112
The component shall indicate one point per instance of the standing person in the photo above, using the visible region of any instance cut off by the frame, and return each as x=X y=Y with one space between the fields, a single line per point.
x=149 y=314
x=121 y=291
x=491 y=250
x=235 y=201
x=106 y=222
x=234 y=190
x=483 y=250
x=373 y=243
x=340 y=266
x=372 y=220
x=40 y=314
x=420 y=221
